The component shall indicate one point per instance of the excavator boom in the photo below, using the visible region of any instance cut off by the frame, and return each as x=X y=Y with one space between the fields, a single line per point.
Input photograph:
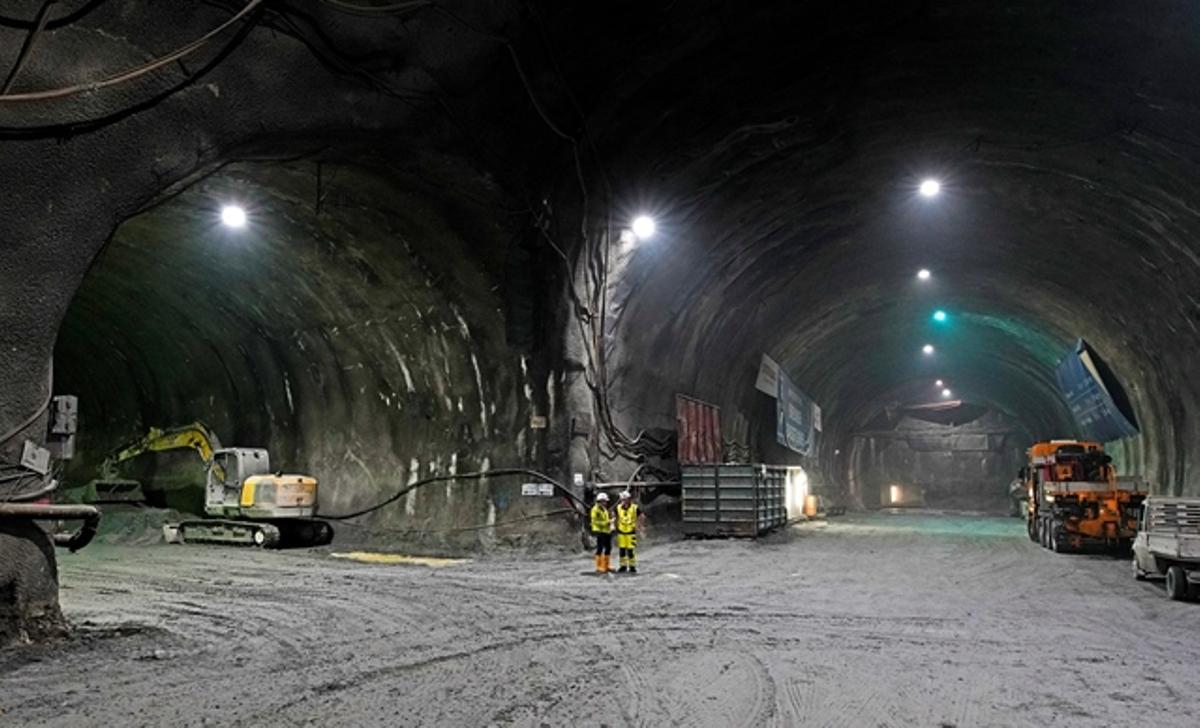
x=110 y=486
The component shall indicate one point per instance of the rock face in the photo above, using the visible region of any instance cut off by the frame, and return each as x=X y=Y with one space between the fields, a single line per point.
x=354 y=328
x=28 y=584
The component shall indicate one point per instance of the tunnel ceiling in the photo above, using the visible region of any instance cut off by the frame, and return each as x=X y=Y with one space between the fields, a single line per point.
x=780 y=146
x=786 y=180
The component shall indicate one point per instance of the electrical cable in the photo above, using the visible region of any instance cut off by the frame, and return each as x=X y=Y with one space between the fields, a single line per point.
x=498 y=472
x=136 y=72
x=43 y=17
x=458 y=529
x=374 y=10
x=64 y=130
x=70 y=17
x=46 y=489
x=37 y=413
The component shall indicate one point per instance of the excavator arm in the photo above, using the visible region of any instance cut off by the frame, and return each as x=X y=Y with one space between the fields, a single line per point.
x=196 y=436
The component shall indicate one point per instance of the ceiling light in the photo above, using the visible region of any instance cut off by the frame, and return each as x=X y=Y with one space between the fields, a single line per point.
x=939 y=316
x=924 y=274
x=644 y=227
x=938 y=383
x=930 y=188
x=946 y=393
x=233 y=216
x=927 y=349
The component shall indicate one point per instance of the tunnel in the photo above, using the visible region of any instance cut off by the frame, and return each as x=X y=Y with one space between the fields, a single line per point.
x=437 y=254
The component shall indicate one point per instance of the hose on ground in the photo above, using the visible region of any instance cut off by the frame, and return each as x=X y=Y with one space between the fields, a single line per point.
x=579 y=506
x=461 y=529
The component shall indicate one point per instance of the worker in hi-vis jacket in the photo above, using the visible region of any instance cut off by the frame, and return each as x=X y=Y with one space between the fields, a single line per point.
x=629 y=517
x=602 y=528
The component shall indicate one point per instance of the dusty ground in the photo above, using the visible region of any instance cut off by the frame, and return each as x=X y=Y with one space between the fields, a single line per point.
x=901 y=620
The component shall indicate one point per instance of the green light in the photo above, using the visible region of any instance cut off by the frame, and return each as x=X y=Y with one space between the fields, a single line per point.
x=940 y=316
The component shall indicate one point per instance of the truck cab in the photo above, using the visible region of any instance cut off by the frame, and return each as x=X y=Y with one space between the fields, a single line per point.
x=1076 y=499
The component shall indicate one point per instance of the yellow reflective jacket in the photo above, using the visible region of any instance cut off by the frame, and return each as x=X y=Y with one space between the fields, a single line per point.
x=627 y=518
x=601 y=519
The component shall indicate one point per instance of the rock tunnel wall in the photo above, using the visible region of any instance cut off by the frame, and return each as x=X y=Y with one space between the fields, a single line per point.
x=791 y=225
x=354 y=328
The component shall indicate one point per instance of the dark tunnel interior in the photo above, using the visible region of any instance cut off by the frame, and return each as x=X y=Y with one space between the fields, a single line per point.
x=430 y=193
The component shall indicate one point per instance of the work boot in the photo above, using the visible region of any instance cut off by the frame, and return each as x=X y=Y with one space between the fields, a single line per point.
x=623 y=569
x=600 y=567
x=632 y=569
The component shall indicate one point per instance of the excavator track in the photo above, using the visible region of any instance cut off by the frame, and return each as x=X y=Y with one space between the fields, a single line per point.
x=279 y=534
x=236 y=533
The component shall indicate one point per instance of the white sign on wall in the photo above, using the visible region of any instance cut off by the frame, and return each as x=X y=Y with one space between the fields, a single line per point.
x=537 y=489
x=768 y=377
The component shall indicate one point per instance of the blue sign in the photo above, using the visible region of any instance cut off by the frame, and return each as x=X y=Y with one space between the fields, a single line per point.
x=1095 y=396
x=794 y=414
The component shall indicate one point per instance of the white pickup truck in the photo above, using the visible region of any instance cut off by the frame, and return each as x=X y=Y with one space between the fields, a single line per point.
x=1168 y=543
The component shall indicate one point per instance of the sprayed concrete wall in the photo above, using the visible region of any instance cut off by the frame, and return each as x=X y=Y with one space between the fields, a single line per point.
x=354 y=328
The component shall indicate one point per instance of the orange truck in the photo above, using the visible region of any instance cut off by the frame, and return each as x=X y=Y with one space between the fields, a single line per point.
x=1076 y=499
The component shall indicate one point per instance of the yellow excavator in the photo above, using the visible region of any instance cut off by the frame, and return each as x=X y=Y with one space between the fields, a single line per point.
x=245 y=503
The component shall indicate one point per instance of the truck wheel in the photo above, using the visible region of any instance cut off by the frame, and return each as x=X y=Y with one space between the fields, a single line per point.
x=1031 y=530
x=1056 y=544
x=1177 y=586
x=1044 y=533
x=1137 y=571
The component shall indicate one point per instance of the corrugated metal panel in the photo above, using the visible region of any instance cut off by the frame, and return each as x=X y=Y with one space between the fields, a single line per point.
x=1094 y=395
x=699 y=430
x=733 y=500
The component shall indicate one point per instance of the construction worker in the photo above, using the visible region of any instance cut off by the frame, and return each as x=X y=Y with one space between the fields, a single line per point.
x=602 y=528
x=629 y=517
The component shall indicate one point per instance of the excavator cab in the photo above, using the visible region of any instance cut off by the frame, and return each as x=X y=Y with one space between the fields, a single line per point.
x=229 y=470
x=240 y=484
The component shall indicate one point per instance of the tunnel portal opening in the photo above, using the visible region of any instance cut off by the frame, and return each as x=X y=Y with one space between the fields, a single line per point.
x=940 y=463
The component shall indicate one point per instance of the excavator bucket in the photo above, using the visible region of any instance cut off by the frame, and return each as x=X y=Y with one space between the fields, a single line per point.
x=114 y=490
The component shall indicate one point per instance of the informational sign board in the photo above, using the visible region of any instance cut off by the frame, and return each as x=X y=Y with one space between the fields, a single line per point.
x=1094 y=395
x=795 y=416
x=768 y=377
x=537 y=489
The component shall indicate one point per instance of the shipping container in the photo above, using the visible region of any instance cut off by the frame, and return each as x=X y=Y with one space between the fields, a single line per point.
x=735 y=500
x=698 y=426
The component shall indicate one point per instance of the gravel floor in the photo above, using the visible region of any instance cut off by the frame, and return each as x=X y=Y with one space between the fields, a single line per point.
x=914 y=619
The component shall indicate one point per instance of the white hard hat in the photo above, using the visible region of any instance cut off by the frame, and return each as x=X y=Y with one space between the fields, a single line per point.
x=602 y=496
x=626 y=494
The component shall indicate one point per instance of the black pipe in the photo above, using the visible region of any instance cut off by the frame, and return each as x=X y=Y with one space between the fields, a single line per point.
x=90 y=515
